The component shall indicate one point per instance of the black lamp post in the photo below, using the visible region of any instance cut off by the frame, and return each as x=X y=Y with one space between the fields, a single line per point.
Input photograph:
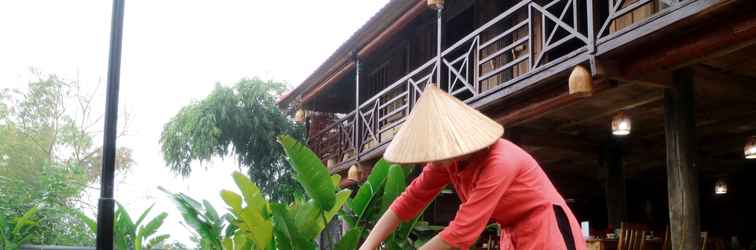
x=106 y=203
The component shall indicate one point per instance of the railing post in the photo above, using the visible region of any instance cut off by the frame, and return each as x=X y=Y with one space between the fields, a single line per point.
x=439 y=39
x=356 y=130
x=591 y=32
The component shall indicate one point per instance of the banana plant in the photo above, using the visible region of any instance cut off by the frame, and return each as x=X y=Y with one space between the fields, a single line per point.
x=133 y=235
x=213 y=230
x=384 y=184
x=14 y=232
x=268 y=225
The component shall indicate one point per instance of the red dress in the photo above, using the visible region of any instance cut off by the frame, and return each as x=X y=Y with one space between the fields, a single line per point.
x=505 y=184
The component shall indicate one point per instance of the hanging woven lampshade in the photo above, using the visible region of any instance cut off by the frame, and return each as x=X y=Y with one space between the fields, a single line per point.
x=621 y=124
x=750 y=148
x=354 y=173
x=300 y=116
x=720 y=187
x=581 y=81
x=436 y=4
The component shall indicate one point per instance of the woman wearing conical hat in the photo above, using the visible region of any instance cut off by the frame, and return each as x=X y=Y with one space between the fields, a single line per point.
x=494 y=178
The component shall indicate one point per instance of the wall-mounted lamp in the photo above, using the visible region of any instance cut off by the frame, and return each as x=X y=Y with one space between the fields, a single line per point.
x=750 y=148
x=720 y=187
x=621 y=124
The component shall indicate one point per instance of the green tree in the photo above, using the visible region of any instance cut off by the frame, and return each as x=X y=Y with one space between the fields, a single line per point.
x=242 y=120
x=48 y=156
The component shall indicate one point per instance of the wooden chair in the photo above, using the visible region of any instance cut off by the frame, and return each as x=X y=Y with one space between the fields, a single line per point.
x=667 y=243
x=631 y=237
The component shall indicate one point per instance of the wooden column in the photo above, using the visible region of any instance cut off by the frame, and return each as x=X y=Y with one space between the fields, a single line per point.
x=356 y=130
x=682 y=173
x=616 y=196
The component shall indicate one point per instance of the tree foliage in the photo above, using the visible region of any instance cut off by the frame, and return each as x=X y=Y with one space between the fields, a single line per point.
x=48 y=156
x=242 y=120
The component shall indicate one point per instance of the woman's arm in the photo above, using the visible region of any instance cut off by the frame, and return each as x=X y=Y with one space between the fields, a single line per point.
x=385 y=226
x=437 y=243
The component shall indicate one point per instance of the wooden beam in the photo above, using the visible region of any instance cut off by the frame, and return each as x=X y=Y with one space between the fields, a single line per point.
x=647 y=99
x=540 y=109
x=682 y=173
x=610 y=69
x=395 y=27
x=692 y=47
x=723 y=84
x=338 y=75
x=553 y=140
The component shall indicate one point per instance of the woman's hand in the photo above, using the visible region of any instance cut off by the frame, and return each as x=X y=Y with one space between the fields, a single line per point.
x=385 y=226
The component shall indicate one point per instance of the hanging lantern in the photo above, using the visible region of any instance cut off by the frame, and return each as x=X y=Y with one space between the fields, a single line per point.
x=354 y=173
x=581 y=81
x=720 y=187
x=621 y=124
x=750 y=148
x=436 y=4
x=300 y=116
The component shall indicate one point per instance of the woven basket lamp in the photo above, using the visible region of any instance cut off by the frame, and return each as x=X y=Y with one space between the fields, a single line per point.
x=581 y=81
x=750 y=148
x=436 y=4
x=354 y=173
x=441 y=127
x=300 y=116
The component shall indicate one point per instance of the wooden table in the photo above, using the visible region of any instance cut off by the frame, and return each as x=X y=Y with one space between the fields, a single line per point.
x=611 y=244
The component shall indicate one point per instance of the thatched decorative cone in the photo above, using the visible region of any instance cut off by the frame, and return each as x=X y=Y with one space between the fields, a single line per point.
x=441 y=127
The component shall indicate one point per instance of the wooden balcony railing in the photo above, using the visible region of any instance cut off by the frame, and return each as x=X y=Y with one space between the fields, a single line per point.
x=525 y=42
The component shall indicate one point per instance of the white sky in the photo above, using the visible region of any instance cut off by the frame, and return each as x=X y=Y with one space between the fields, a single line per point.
x=174 y=52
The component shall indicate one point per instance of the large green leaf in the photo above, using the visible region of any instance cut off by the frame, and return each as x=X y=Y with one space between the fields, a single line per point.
x=350 y=240
x=251 y=192
x=152 y=226
x=191 y=212
x=154 y=242
x=336 y=179
x=369 y=189
x=233 y=200
x=306 y=218
x=309 y=218
x=287 y=234
x=210 y=212
x=24 y=222
x=396 y=182
x=144 y=214
x=261 y=229
x=311 y=173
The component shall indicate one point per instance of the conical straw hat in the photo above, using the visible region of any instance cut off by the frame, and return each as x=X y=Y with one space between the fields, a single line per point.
x=441 y=127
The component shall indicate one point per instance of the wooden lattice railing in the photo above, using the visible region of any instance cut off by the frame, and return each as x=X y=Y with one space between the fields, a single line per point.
x=527 y=39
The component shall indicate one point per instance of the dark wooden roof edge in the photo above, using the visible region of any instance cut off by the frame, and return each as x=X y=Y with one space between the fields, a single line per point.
x=373 y=28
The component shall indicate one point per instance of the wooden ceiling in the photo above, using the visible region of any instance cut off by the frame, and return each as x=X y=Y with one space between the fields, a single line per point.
x=568 y=140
